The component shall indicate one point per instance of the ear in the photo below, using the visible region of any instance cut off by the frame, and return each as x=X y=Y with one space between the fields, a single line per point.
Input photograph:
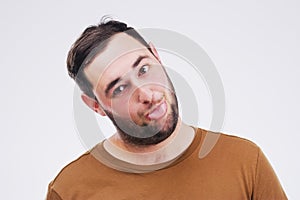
x=92 y=104
x=153 y=49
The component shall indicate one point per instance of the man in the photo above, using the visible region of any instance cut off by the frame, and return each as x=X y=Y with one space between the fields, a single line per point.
x=153 y=154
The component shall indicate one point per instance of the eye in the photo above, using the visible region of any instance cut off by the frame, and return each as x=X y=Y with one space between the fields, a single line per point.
x=143 y=70
x=119 y=90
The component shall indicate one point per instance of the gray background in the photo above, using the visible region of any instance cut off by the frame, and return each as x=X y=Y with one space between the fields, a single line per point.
x=255 y=46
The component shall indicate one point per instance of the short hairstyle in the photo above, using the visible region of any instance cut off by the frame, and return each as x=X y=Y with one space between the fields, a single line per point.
x=91 y=39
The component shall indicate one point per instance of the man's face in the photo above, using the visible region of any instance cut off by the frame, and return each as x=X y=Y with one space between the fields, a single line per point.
x=134 y=91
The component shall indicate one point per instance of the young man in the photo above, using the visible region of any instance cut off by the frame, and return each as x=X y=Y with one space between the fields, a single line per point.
x=153 y=154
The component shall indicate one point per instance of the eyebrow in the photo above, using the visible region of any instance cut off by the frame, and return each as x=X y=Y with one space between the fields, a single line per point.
x=138 y=60
x=111 y=85
x=114 y=82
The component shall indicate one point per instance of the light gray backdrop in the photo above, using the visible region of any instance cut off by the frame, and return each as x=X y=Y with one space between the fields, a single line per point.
x=255 y=47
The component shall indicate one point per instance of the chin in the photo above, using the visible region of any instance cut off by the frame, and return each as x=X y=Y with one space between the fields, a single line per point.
x=147 y=133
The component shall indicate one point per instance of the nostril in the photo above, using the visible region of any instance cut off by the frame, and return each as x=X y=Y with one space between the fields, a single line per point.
x=146 y=102
x=145 y=99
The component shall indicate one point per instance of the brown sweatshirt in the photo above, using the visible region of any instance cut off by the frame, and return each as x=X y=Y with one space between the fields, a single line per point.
x=235 y=169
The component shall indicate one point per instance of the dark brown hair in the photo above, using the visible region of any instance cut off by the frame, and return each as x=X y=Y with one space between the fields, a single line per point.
x=92 y=41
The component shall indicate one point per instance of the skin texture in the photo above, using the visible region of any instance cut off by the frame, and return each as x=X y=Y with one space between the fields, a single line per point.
x=133 y=89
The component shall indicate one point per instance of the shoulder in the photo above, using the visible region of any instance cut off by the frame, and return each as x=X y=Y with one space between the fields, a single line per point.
x=72 y=168
x=75 y=165
x=230 y=146
x=226 y=139
x=74 y=173
x=238 y=141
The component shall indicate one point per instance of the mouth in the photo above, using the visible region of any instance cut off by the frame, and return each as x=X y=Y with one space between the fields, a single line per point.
x=158 y=111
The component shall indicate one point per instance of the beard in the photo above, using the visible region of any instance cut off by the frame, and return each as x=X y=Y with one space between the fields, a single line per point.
x=146 y=134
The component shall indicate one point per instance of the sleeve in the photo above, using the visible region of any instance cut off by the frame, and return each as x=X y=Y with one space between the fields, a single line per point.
x=267 y=185
x=52 y=194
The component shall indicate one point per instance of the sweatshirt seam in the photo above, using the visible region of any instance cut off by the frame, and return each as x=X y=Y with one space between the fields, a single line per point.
x=256 y=170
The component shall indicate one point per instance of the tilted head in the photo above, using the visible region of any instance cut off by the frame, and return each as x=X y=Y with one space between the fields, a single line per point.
x=122 y=77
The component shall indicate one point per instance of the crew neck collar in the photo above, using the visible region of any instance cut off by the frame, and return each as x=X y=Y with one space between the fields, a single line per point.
x=100 y=153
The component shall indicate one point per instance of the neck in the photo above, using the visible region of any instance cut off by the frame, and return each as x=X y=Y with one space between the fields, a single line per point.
x=164 y=151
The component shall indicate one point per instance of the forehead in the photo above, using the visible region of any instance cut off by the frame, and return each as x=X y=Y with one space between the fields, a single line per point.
x=120 y=51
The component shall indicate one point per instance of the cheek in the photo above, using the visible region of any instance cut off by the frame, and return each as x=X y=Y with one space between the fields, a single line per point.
x=120 y=106
x=133 y=109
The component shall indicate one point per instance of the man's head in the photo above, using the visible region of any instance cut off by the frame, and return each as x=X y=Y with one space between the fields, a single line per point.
x=121 y=76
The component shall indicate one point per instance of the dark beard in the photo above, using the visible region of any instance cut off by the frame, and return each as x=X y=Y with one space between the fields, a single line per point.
x=148 y=134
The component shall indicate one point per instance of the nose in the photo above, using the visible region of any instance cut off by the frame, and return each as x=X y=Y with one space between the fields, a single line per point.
x=148 y=96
